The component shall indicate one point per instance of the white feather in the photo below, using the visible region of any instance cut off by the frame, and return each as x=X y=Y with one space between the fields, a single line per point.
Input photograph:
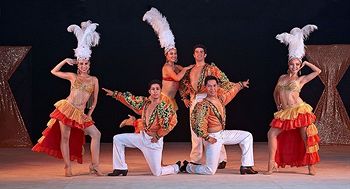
x=161 y=27
x=78 y=32
x=308 y=29
x=87 y=37
x=295 y=40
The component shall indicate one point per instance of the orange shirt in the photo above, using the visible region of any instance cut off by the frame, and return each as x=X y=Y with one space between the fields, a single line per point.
x=162 y=120
x=186 y=89
x=206 y=115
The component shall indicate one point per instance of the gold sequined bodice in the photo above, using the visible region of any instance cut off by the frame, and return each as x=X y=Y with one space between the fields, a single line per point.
x=292 y=86
x=87 y=87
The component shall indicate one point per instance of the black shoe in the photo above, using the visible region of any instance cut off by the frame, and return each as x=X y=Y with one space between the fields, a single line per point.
x=183 y=167
x=117 y=172
x=222 y=165
x=247 y=170
x=178 y=163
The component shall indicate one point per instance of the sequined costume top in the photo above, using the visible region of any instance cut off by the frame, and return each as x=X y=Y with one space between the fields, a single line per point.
x=163 y=118
x=205 y=114
x=187 y=90
x=292 y=86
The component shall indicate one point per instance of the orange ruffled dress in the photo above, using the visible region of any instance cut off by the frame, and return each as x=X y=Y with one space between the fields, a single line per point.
x=50 y=141
x=291 y=149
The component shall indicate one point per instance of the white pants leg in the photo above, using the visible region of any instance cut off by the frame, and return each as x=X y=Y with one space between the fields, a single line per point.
x=151 y=151
x=197 y=142
x=212 y=156
x=226 y=137
x=245 y=141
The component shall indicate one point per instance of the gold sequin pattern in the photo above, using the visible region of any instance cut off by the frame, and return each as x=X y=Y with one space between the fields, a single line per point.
x=13 y=131
x=332 y=119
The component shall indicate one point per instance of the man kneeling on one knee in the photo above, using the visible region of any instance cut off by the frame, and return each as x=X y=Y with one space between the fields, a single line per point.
x=158 y=117
x=208 y=121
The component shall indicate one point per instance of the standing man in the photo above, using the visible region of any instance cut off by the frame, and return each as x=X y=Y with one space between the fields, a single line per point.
x=158 y=118
x=208 y=120
x=192 y=91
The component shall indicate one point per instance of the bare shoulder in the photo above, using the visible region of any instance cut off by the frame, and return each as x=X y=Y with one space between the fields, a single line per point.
x=166 y=66
x=283 y=76
x=94 y=78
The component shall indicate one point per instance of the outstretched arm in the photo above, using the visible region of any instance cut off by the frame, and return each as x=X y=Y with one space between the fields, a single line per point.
x=64 y=75
x=236 y=87
x=135 y=103
x=168 y=71
x=312 y=75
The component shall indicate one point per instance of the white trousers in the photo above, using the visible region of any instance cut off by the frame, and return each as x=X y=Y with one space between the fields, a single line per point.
x=224 y=137
x=151 y=151
x=197 y=142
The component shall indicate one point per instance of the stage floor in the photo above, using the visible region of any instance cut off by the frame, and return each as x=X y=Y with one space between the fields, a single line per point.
x=22 y=168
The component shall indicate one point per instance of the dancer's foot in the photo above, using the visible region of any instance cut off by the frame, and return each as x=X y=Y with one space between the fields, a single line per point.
x=271 y=167
x=128 y=122
x=94 y=169
x=68 y=171
x=222 y=165
x=117 y=172
x=312 y=170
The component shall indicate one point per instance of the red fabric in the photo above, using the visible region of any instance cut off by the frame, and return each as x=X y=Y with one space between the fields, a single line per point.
x=51 y=143
x=290 y=145
x=56 y=114
x=301 y=121
x=291 y=150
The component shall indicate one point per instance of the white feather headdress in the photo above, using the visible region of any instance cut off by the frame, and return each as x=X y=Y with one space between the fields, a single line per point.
x=87 y=37
x=295 y=41
x=161 y=26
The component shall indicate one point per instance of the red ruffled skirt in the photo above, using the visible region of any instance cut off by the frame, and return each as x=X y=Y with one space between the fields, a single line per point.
x=291 y=148
x=70 y=116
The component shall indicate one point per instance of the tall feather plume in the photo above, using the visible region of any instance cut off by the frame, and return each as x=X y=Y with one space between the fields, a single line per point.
x=295 y=40
x=87 y=37
x=161 y=27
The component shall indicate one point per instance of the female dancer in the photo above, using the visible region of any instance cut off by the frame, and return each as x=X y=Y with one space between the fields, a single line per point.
x=64 y=136
x=172 y=73
x=292 y=138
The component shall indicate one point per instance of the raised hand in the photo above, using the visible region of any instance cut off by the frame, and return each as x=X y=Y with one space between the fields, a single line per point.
x=245 y=83
x=70 y=61
x=108 y=92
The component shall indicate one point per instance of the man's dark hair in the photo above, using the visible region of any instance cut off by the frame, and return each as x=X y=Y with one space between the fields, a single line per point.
x=209 y=78
x=200 y=46
x=154 y=81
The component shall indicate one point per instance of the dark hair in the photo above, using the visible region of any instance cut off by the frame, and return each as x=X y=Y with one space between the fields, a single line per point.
x=200 y=46
x=154 y=81
x=209 y=78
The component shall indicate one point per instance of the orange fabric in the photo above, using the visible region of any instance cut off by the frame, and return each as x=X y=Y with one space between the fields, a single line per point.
x=168 y=79
x=291 y=148
x=138 y=125
x=206 y=115
x=49 y=143
x=161 y=121
x=170 y=101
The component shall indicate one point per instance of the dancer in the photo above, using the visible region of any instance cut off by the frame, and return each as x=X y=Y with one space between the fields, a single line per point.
x=158 y=118
x=208 y=120
x=293 y=138
x=192 y=91
x=172 y=73
x=64 y=136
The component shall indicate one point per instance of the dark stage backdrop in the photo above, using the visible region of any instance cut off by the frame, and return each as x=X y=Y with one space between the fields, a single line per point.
x=239 y=36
